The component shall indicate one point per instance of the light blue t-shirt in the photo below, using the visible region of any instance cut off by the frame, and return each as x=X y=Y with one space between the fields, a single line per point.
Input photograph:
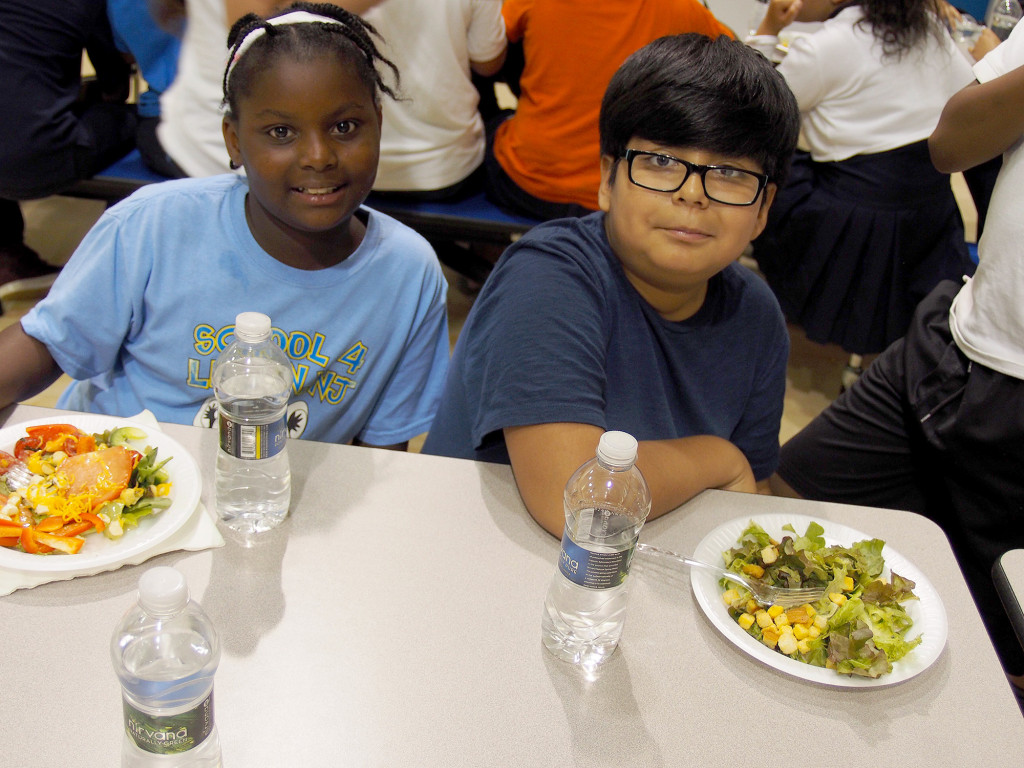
x=140 y=312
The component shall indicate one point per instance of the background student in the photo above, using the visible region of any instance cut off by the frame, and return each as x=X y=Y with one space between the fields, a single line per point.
x=865 y=226
x=358 y=300
x=58 y=130
x=638 y=317
x=545 y=158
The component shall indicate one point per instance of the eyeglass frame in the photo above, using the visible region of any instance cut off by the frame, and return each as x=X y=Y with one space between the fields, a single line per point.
x=702 y=170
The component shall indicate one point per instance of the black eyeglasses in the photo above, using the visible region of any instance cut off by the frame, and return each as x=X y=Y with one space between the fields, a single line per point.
x=722 y=183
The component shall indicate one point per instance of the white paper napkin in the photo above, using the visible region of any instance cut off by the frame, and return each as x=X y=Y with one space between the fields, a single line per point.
x=198 y=533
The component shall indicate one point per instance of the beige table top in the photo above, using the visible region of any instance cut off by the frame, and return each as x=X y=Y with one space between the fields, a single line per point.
x=394 y=620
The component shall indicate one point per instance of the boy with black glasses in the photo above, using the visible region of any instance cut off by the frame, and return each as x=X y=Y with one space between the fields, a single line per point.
x=637 y=317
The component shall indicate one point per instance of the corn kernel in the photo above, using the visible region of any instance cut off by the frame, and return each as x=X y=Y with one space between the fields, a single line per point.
x=837 y=597
x=775 y=610
x=745 y=620
x=763 y=619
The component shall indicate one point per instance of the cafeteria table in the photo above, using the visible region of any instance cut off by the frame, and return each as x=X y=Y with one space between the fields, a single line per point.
x=394 y=620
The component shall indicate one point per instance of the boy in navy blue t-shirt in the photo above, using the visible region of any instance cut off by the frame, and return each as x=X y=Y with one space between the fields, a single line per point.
x=637 y=318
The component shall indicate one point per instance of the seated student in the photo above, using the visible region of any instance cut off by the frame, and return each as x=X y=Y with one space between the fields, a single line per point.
x=638 y=317
x=543 y=160
x=865 y=227
x=358 y=300
x=58 y=131
x=432 y=142
x=936 y=424
x=150 y=33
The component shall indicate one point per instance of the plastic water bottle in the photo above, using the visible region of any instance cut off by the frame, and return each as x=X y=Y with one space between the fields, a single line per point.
x=606 y=503
x=253 y=381
x=760 y=8
x=1002 y=16
x=165 y=653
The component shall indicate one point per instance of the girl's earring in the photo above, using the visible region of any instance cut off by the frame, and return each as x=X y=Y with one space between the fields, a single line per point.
x=233 y=165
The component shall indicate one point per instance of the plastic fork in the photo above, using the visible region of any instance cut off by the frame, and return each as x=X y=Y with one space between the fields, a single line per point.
x=765 y=594
x=19 y=476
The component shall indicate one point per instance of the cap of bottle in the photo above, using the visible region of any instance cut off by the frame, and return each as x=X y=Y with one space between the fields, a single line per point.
x=252 y=326
x=163 y=591
x=617 y=449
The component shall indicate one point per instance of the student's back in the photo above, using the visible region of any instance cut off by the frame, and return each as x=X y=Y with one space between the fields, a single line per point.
x=549 y=147
x=433 y=138
x=866 y=226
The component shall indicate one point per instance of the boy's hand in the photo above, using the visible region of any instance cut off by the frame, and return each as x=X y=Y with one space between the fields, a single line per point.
x=780 y=14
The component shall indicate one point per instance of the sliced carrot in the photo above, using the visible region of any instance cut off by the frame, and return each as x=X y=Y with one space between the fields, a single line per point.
x=9 y=541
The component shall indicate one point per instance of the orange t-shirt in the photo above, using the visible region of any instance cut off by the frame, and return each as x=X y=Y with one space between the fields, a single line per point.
x=550 y=147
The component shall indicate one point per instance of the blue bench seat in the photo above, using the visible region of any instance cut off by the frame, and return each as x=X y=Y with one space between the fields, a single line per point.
x=473 y=219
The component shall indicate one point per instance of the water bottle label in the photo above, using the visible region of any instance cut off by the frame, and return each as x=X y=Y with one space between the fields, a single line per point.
x=252 y=441
x=170 y=735
x=596 y=570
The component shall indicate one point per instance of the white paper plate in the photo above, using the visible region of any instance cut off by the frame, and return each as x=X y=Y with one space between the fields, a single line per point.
x=928 y=613
x=100 y=551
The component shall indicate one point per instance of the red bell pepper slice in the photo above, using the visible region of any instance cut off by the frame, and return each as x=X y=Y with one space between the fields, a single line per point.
x=30 y=544
x=70 y=545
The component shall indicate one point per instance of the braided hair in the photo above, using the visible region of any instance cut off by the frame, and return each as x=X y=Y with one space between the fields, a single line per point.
x=351 y=40
x=900 y=25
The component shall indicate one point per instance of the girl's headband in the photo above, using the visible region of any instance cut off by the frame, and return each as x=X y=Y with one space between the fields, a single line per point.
x=295 y=17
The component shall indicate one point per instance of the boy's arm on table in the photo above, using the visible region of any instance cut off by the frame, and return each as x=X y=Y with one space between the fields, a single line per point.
x=28 y=367
x=979 y=122
x=544 y=456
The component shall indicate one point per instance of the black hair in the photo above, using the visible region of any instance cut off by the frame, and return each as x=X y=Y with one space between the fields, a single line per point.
x=693 y=91
x=899 y=25
x=351 y=41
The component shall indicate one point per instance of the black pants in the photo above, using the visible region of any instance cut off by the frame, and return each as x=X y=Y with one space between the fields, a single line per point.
x=927 y=430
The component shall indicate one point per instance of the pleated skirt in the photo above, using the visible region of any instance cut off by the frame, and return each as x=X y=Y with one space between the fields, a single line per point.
x=851 y=247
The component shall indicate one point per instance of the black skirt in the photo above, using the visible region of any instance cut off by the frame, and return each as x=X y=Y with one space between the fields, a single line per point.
x=851 y=247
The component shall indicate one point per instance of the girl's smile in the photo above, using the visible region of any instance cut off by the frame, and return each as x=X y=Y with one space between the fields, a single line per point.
x=308 y=134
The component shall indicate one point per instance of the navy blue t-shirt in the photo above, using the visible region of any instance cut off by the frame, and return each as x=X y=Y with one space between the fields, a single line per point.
x=558 y=334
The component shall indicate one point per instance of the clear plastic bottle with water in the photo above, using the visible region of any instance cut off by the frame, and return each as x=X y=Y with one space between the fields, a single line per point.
x=253 y=381
x=1002 y=16
x=165 y=653
x=606 y=503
